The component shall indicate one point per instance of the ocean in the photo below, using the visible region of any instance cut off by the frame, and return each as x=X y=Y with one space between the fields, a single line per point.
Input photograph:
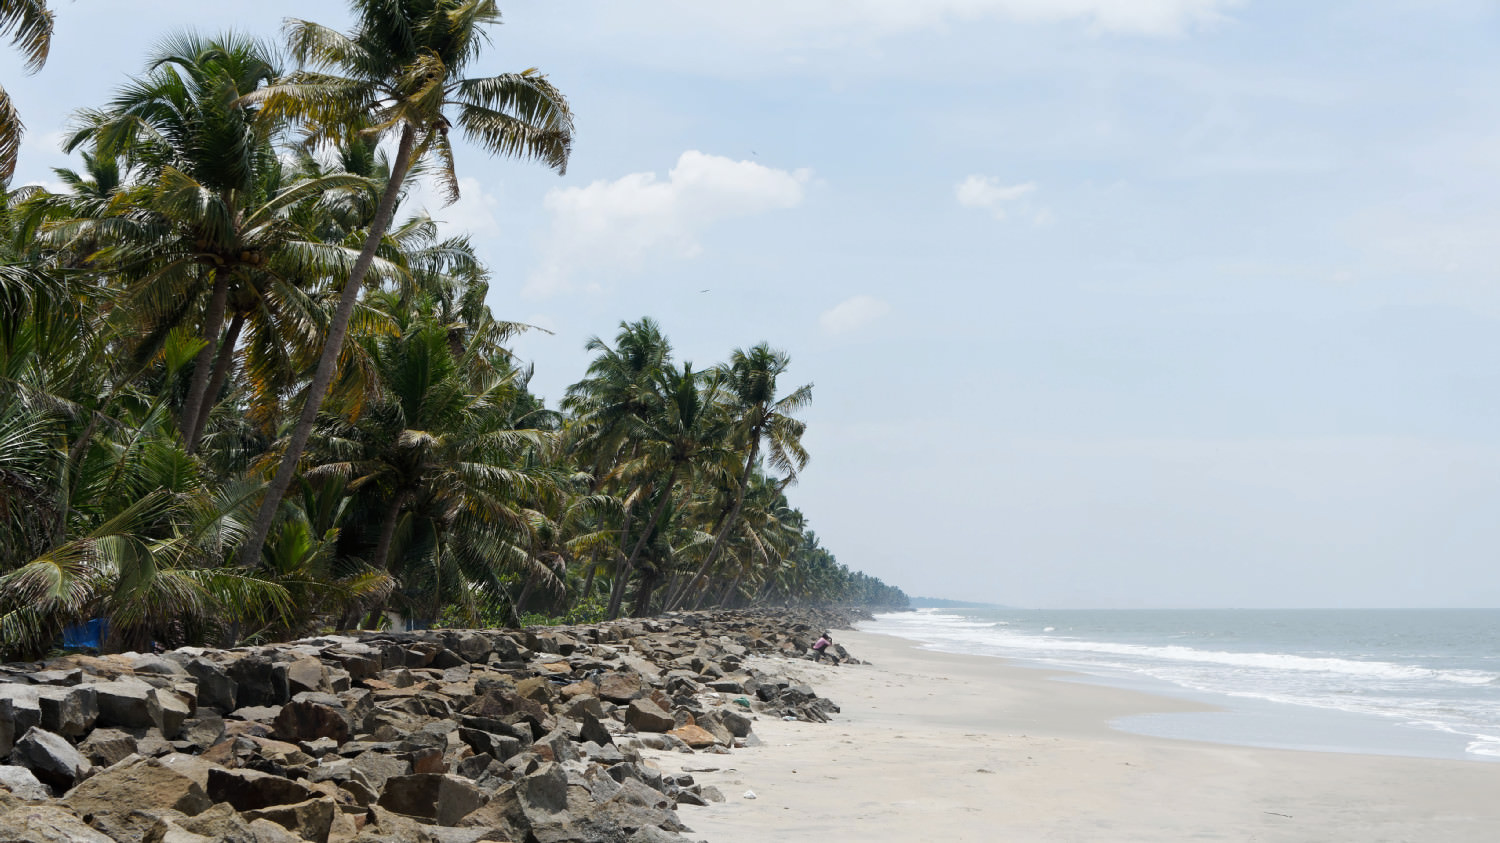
x=1394 y=682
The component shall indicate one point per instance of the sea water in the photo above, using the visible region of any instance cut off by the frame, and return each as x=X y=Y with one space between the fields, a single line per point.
x=1403 y=682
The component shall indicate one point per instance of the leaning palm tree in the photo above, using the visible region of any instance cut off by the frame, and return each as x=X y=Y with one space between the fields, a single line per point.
x=29 y=23
x=400 y=73
x=687 y=433
x=763 y=417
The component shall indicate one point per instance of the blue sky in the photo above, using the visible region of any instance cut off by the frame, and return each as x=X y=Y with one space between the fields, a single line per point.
x=1106 y=302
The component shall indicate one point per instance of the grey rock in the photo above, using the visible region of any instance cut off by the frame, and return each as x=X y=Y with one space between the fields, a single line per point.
x=128 y=703
x=46 y=824
x=310 y=820
x=22 y=783
x=215 y=689
x=436 y=797
x=249 y=790
x=50 y=758
x=104 y=747
x=68 y=711
x=174 y=712
x=144 y=784
x=647 y=716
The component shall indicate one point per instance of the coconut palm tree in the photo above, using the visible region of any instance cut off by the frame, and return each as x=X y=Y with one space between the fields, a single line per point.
x=762 y=418
x=29 y=25
x=434 y=451
x=207 y=215
x=688 y=432
x=400 y=73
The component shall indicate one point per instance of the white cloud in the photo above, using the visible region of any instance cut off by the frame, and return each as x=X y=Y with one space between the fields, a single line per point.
x=472 y=214
x=988 y=193
x=852 y=313
x=621 y=224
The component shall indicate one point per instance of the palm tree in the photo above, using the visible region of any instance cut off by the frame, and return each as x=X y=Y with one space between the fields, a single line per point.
x=434 y=447
x=208 y=212
x=29 y=23
x=762 y=416
x=687 y=432
x=399 y=73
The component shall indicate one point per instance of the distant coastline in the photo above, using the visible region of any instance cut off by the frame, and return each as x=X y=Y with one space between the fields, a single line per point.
x=941 y=603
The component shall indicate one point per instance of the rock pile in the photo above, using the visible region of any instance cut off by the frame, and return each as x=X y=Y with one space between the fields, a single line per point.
x=446 y=736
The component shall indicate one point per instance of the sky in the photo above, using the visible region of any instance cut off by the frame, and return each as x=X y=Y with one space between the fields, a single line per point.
x=1106 y=303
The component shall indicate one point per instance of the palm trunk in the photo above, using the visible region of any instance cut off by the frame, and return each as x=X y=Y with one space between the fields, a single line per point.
x=388 y=531
x=332 y=345
x=619 y=590
x=216 y=383
x=643 y=593
x=525 y=591
x=734 y=514
x=192 y=408
x=731 y=593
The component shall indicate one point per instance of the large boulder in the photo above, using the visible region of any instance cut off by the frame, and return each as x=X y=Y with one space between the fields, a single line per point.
x=436 y=797
x=620 y=687
x=258 y=681
x=128 y=703
x=215 y=689
x=305 y=720
x=22 y=783
x=310 y=820
x=46 y=824
x=175 y=710
x=104 y=747
x=248 y=789
x=307 y=674
x=646 y=716
x=70 y=712
x=50 y=758
x=147 y=783
x=693 y=735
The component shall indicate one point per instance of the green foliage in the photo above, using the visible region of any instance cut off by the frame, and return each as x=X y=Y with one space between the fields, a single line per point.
x=167 y=316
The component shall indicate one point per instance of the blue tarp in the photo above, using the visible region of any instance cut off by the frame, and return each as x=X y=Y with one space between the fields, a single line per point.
x=88 y=635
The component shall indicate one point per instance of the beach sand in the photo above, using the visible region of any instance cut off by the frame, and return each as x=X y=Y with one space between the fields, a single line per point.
x=939 y=747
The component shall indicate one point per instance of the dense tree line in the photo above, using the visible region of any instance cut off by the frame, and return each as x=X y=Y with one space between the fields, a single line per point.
x=245 y=393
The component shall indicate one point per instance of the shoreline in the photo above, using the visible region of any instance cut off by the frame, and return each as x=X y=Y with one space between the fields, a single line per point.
x=936 y=745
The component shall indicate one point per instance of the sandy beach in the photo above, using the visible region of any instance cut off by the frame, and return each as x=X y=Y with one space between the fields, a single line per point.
x=933 y=746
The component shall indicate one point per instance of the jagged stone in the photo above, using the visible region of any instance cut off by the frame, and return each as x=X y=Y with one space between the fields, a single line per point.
x=620 y=687
x=146 y=783
x=175 y=711
x=258 y=682
x=46 y=824
x=305 y=720
x=441 y=798
x=248 y=790
x=22 y=783
x=307 y=674
x=591 y=729
x=128 y=703
x=104 y=747
x=220 y=822
x=50 y=758
x=489 y=743
x=311 y=820
x=737 y=723
x=646 y=716
x=377 y=767
x=68 y=711
x=694 y=736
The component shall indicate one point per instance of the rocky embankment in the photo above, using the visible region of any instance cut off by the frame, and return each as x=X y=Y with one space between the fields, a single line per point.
x=442 y=735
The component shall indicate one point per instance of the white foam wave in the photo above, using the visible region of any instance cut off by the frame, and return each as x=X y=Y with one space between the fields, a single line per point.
x=1039 y=645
